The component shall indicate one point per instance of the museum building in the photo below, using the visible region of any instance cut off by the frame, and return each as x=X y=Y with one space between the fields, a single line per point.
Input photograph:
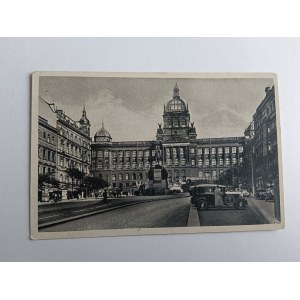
x=176 y=148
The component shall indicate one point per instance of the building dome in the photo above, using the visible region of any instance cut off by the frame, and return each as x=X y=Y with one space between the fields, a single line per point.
x=176 y=104
x=102 y=135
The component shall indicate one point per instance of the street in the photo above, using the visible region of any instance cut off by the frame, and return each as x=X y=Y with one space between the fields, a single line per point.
x=171 y=211
x=147 y=212
x=257 y=212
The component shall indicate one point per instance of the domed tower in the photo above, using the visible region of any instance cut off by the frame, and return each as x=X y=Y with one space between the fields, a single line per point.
x=85 y=122
x=176 y=119
x=102 y=136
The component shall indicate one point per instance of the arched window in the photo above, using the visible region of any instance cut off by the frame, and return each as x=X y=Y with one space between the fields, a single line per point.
x=140 y=176
x=113 y=177
x=120 y=177
x=133 y=176
x=126 y=176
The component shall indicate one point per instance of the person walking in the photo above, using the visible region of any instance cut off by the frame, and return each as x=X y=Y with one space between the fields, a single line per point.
x=105 y=196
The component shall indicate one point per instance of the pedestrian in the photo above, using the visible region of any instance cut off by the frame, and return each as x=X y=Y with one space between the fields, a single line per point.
x=218 y=197
x=105 y=196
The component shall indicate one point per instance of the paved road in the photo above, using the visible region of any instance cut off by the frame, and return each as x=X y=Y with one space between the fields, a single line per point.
x=172 y=212
x=223 y=217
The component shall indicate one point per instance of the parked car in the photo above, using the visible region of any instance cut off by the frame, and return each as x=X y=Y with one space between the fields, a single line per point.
x=245 y=193
x=176 y=189
x=260 y=194
x=203 y=196
x=269 y=195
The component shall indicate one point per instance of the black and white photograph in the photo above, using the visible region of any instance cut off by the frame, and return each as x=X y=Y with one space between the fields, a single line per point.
x=154 y=153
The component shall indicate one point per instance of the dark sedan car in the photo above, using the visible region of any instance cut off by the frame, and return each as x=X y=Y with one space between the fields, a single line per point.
x=204 y=197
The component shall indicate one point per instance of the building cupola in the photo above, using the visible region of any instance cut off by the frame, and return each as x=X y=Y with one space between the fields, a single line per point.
x=102 y=135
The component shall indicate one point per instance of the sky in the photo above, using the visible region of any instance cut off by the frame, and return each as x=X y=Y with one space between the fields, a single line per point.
x=131 y=108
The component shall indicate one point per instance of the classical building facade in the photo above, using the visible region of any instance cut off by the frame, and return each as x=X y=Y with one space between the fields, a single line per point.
x=265 y=142
x=261 y=145
x=47 y=147
x=176 y=148
x=69 y=146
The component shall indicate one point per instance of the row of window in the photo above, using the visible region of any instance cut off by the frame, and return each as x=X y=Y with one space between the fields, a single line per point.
x=208 y=175
x=219 y=150
x=73 y=150
x=47 y=154
x=67 y=163
x=176 y=150
x=269 y=109
x=122 y=153
x=127 y=176
x=46 y=170
x=176 y=122
x=208 y=162
x=50 y=138
x=73 y=138
x=106 y=165
x=68 y=179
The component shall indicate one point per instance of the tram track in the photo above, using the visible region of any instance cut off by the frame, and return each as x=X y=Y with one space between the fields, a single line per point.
x=88 y=211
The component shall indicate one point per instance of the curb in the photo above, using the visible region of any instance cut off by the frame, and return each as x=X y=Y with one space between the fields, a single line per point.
x=193 y=219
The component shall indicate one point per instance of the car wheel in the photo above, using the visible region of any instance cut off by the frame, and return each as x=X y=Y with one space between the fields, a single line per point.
x=202 y=204
x=240 y=204
x=229 y=200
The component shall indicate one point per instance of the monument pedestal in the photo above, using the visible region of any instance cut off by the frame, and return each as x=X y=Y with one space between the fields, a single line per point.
x=158 y=179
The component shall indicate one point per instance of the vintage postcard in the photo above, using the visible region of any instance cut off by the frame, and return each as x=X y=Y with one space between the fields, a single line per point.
x=154 y=153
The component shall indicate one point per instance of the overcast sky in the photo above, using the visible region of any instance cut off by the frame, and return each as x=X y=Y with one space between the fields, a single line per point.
x=131 y=108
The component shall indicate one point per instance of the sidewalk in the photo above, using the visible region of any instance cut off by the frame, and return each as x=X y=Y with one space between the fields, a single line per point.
x=266 y=209
x=72 y=201
x=92 y=199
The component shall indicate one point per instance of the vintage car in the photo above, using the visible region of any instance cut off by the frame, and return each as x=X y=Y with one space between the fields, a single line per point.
x=269 y=196
x=203 y=196
x=260 y=194
x=265 y=194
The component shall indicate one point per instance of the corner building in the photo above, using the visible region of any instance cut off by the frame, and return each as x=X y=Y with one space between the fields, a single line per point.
x=176 y=148
x=265 y=142
x=63 y=143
